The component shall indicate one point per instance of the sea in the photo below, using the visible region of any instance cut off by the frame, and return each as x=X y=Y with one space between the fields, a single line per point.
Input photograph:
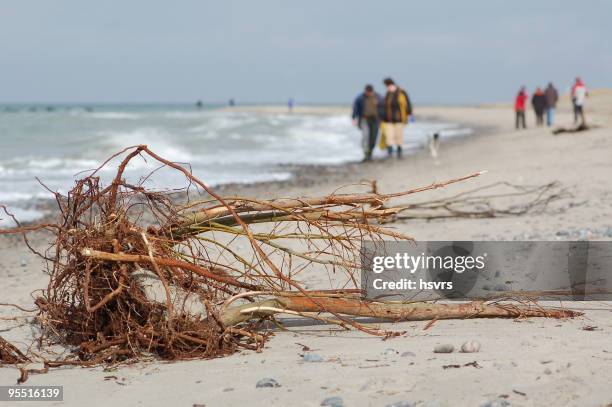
x=47 y=147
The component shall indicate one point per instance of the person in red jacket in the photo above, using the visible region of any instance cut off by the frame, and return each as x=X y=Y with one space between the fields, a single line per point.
x=519 y=108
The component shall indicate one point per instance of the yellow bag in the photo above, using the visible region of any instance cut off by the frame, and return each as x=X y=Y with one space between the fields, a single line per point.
x=382 y=143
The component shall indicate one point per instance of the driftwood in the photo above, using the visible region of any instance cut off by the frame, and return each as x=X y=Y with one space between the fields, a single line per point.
x=417 y=311
x=485 y=202
x=219 y=264
x=580 y=128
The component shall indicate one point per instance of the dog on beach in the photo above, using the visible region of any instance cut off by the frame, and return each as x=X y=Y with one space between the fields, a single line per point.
x=434 y=144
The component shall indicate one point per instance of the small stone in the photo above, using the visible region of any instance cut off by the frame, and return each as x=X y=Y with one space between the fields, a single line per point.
x=562 y=233
x=333 y=402
x=267 y=382
x=389 y=352
x=23 y=263
x=408 y=354
x=547 y=371
x=470 y=347
x=497 y=403
x=444 y=348
x=401 y=404
x=312 y=357
x=228 y=389
x=608 y=232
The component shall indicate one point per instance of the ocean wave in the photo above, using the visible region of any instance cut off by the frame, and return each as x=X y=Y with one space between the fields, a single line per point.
x=61 y=163
x=217 y=122
x=178 y=114
x=16 y=196
x=220 y=146
x=157 y=139
x=22 y=215
x=45 y=166
x=113 y=115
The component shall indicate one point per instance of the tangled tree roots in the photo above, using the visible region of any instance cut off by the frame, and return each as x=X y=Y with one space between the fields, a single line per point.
x=134 y=273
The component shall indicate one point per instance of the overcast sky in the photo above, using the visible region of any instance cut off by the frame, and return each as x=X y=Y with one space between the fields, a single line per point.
x=315 y=50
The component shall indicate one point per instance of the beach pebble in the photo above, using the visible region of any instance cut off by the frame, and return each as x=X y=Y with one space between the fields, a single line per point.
x=408 y=354
x=333 y=402
x=444 y=348
x=547 y=371
x=401 y=404
x=267 y=382
x=312 y=357
x=470 y=347
x=497 y=403
x=23 y=263
x=390 y=351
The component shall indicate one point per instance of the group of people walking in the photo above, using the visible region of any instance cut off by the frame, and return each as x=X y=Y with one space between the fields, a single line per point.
x=389 y=115
x=544 y=102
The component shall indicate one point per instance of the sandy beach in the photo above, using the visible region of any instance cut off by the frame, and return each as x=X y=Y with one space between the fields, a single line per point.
x=527 y=362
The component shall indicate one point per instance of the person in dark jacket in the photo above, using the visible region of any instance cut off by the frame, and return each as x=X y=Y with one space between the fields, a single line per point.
x=366 y=116
x=538 y=101
x=552 y=96
x=397 y=109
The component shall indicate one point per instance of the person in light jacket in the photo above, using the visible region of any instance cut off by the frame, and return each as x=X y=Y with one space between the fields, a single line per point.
x=397 y=110
x=579 y=95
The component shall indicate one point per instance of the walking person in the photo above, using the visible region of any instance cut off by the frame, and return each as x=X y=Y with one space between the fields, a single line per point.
x=519 y=108
x=366 y=116
x=538 y=101
x=397 y=110
x=579 y=95
x=552 y=96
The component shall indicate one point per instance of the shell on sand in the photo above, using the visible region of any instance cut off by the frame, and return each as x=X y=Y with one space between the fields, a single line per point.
x=470 y=347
